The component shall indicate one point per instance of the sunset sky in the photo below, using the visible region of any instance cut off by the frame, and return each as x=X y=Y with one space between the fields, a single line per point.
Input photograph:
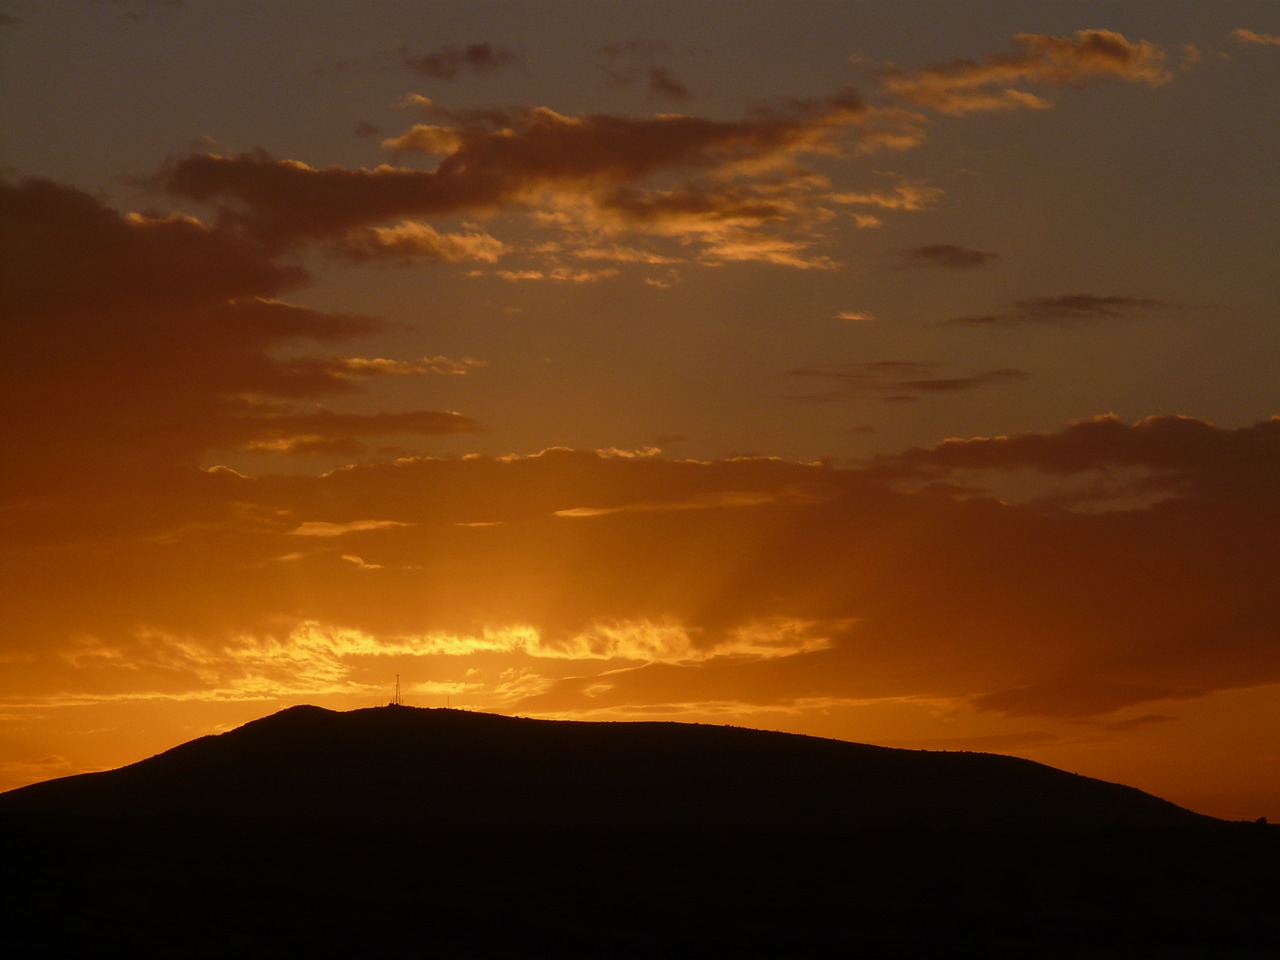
x=898 y=372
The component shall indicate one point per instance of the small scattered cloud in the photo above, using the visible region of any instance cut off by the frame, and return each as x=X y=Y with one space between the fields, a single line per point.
x=718 y=501
x=324 y=432
x=855 y=316
x=557 y=275
x=1189 y=56
x=905 y=195
x=631 y=63
x=744 y=248
x=947 y=256
x=323 y=528
x=1245 y=35
x=621 y=253
x=666 y=87
x=635 y=48
x=410 y=242
x=1070 y=310
x=448 y=61
x=382 y=367
x=897 y=380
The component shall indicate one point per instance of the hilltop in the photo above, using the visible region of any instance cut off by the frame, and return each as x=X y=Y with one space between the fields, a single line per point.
x=410 y=764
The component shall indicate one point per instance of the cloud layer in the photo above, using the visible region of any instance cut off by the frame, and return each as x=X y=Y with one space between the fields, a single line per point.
x=652 y=582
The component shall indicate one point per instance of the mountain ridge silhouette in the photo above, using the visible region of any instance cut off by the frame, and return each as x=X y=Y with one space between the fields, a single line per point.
x=410 y=764
x=455 y=834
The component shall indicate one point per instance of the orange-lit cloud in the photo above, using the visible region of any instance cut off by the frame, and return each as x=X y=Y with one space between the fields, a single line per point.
x=905 y=195
x=1260 y=39
x=967 y=86
x=382 y=367
x=736 y=191
x=322 y=528
x=559 y=274
x=412 y=242
x=736 y=188
x=657 y=582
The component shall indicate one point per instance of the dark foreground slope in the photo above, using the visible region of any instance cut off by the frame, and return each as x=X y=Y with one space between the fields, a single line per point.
x=406 y=764
x=443 y=833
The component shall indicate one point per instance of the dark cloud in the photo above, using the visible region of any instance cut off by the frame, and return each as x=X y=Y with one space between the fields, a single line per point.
x=897 y=380
x=630 y=63
x=635 y=48
x=1172 y=452
x=66 y=252
x=666 y=87
x=947 y=256
x=956 y=384
x=1069 y=310
x=133 y=344
x=448 y=61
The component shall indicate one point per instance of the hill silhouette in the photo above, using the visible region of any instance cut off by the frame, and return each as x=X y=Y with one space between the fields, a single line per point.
x=411 y=764
x=457 y=834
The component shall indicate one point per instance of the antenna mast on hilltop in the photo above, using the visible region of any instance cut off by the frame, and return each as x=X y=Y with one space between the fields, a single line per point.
x=397 y=702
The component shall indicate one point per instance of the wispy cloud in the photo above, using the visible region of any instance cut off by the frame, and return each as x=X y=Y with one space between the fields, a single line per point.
x=632 y=62
x=412 y=242
x=447 y=62
x=896 y=381
x=382 y=367
x=967 y=86
x=1259 y=39
x=947 y=256
x=1070 y=310
x=323 y=528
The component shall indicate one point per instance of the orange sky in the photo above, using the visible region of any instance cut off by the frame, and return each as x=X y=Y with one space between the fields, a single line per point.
x=900 y=380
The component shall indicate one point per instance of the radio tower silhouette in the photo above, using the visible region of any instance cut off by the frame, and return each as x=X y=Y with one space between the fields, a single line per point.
x=397 y=702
